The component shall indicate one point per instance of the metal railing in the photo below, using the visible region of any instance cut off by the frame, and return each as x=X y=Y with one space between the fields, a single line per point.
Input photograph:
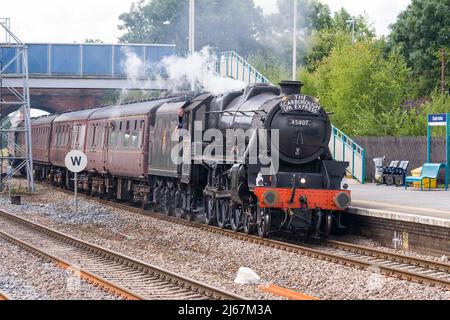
x=344 y=148
x=232 y=65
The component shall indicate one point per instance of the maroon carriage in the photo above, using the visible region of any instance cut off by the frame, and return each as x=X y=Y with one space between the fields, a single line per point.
x=68 y=133
x=41 y=132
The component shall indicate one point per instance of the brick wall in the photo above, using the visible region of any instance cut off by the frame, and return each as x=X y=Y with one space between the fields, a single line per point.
x=58 y=100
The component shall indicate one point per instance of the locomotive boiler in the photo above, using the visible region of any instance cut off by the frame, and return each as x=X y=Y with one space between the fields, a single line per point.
x=255 y=160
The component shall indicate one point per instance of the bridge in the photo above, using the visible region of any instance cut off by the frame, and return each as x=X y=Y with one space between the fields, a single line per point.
x=65 y=77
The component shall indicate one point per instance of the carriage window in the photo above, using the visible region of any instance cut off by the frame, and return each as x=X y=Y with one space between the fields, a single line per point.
x=113 y=138
x=135 y=139
x=135 y=125
x=99 y=140
x=58 y=136
x=65 y=135
x=94 y=130
x=75 y=137
x=126 y=140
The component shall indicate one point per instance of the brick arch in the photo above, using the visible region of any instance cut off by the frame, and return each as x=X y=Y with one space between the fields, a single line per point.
x=58 y=100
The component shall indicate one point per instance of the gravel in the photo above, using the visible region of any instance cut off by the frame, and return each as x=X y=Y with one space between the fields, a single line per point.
x=209 y=257
x=24 y=276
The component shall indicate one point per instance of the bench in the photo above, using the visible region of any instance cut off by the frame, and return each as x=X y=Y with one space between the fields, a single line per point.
x=430 y=171
x=400 y=172
x=395 y=173
x=386 y=173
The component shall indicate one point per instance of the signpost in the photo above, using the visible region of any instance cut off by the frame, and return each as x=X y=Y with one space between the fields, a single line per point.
x=440 y=120
x=76 y=162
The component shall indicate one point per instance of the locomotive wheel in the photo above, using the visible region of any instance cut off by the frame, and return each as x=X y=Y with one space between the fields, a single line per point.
x=209 y=211
x=165 y=203
x=248 y=222
x=328 y=225
x=190 y=217
x=236 y=219
x=178 y=196
x=222 y=212
x=263 y=222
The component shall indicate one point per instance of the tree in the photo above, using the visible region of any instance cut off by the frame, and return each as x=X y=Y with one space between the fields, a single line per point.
x=269 y=66
x=326 y=36
x=276 y=31
x=222 y=25
x=419 y=33
x=361 y=87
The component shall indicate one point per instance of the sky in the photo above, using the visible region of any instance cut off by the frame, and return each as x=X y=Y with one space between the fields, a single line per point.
x=75 y=21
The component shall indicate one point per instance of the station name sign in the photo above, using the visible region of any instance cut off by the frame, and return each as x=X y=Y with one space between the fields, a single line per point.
x=437 y=120
x=300 y=103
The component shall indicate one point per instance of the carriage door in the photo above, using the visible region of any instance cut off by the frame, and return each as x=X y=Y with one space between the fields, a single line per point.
x=185 y=139
x=105 y=144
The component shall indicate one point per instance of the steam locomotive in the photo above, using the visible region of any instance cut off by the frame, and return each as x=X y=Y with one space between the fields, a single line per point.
x=255 y=160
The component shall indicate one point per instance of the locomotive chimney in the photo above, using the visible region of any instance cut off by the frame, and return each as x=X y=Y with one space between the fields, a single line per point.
x=290 y=87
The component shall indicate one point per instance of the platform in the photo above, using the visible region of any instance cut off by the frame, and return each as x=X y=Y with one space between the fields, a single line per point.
x=401 y=219
x=396 y=203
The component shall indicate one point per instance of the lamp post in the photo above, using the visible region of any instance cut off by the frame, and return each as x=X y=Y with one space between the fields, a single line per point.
x=294 y=43
x=191 y=26
x=167 y=23
x=352 y=23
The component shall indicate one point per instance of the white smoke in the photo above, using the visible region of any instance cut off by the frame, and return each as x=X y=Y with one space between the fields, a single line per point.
x=199 y=72
x=195 y=72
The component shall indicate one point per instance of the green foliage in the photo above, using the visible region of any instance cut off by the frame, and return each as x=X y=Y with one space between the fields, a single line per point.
x=19 y=190
x=415 y=121
x=365 y=85
x=419 y=33
x=267 y=64
x=360 y=87
x=338 y=31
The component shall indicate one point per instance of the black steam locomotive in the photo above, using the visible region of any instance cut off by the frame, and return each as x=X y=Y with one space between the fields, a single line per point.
x=264 y=183
x=255 y=160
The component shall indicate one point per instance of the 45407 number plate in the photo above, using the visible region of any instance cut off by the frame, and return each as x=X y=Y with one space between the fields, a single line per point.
x=299 y=123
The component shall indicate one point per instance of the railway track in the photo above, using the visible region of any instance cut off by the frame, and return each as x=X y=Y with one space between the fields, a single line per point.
x=3 y=296
x=389 y=264
x=121 y=275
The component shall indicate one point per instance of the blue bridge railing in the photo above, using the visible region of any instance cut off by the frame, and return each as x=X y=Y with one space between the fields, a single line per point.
x=85 y=60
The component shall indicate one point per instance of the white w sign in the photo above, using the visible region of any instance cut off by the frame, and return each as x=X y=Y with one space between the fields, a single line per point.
x=76 y=161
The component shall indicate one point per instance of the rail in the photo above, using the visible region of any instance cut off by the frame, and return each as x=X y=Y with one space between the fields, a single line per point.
x=390 y=264
x=125 y=271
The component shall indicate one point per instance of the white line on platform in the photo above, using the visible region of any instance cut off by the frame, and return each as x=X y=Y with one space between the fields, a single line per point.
x=401 y=216
x=383 y=204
